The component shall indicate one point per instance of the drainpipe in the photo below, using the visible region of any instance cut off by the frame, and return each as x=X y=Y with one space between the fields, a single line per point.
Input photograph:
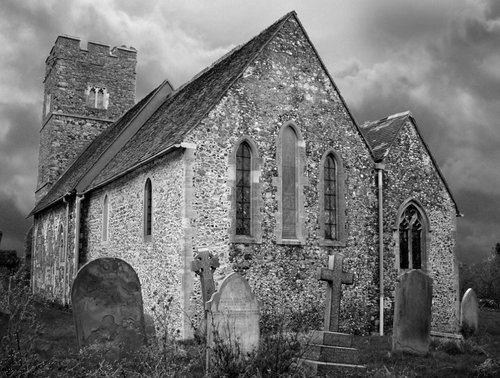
x=380 y=170
x=79 y=199
x=66 y=231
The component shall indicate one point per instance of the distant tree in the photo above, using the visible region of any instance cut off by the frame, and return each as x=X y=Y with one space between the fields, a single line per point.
x=483 y=277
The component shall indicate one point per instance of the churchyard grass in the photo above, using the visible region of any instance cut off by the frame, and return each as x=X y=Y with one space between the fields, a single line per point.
x=39 y=341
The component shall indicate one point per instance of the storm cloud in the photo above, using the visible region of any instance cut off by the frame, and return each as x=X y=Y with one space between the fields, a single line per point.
x=440 y=60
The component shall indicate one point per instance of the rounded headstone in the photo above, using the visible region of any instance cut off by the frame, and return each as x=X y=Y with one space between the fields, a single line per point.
x=233 y=315
x=469 y=313
x=107 y=306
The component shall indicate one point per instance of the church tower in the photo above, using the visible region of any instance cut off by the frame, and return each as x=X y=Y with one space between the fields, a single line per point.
x=84 y=92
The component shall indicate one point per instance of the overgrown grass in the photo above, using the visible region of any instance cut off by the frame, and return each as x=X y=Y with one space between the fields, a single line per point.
x=38 y=340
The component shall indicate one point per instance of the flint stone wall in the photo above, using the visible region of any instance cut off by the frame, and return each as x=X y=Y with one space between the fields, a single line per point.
x=159 y=263
x=53 y=269
x=410 y=174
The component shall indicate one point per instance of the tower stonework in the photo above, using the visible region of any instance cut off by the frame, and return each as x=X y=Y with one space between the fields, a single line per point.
x=84 y=92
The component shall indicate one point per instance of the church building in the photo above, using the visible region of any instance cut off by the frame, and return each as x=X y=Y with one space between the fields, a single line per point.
x=258 y=160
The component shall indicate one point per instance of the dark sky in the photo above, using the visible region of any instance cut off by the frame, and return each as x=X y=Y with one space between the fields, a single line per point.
x=438 y=59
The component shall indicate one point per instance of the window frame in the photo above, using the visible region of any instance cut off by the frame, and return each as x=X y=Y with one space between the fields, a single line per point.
x=148 y=211
x=425 y=236
x=105 y=219
x=341 y=236
x=300 y=182
x=255 y=193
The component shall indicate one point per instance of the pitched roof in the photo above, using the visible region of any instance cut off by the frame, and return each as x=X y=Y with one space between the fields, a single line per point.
x=180 y=112
x=381 y=135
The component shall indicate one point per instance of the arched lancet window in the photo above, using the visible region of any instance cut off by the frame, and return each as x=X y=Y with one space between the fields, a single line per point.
x=244 y=190
x=91 y=97
x=148 y=209
x=246 y=198
x=100 y=99
x=330 y=197
x=105 y=218
x=411 y=238
x=50 y=246
x=60 y=239
x=289 y=183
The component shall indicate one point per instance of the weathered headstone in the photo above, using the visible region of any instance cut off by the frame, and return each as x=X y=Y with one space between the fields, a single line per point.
x=330 y=351
x=233 y=316
x=412 y=313
x=204 y=265
x=107 y=307
x=469 y=313
x=335 y=277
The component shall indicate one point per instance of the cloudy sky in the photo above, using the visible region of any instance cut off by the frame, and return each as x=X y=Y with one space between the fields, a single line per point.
x=438 y=59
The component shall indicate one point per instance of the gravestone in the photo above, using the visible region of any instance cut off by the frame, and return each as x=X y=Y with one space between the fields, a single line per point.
x=233 y=316
x=204 y=265
x=412 y=313
x=330 y=351
x=107 y=307
x=335 y=277
x=469 y=313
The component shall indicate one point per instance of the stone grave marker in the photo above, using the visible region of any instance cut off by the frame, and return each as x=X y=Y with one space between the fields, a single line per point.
x=107 y=307
x=335 y=277
x=330 y=350
x=412 y=313
x=233 y=316
x=204 y=265
x=469 y=313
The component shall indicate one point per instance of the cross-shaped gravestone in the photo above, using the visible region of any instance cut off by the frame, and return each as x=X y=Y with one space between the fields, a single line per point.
x=204 y=264
x=335 y=277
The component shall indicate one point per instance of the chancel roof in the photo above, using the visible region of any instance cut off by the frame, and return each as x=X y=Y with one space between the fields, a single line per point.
x=381 y=135
x=166 y=126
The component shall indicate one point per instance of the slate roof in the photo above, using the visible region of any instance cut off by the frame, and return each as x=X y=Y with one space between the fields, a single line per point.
x=181 y=111
x=381 y=135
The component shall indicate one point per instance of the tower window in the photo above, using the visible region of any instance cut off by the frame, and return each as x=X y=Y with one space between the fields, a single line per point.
x=97 y=98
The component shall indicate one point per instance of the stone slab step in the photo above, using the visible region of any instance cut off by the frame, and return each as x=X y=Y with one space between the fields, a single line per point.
x=327 y=353
x=328 y=369
x=331 y=338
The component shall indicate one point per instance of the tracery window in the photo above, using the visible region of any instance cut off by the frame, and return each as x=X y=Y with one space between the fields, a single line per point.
x=148 y=209
x=411 y=238
x=105 y=218
x=243 y=190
